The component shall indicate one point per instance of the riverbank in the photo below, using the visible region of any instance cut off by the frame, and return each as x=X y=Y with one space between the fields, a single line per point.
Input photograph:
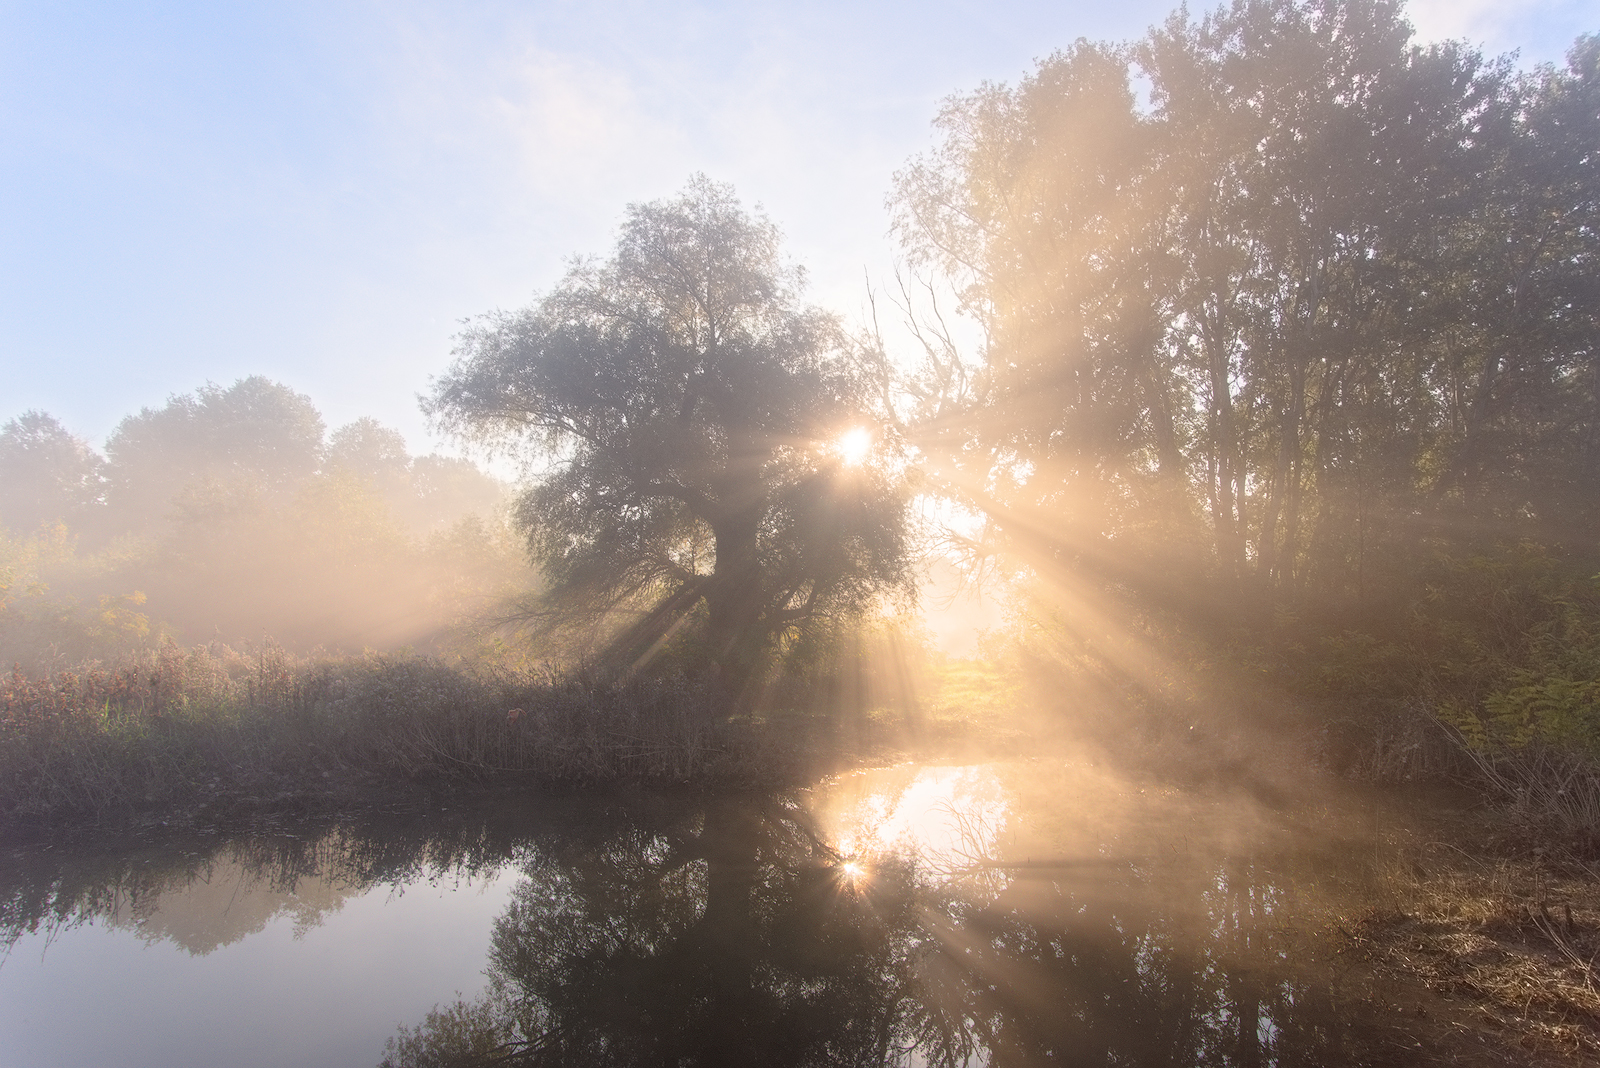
x=1479 y=941
x=200 y=734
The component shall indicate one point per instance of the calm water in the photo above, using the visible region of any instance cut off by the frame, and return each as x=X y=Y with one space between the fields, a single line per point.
x=1017 y=914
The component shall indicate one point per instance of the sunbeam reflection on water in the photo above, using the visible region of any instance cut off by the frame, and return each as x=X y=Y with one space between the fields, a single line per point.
x=1029 y=912
x=949 y=820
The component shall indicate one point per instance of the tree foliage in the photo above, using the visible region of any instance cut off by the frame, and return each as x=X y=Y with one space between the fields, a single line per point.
x=1325 y=298
x=222 y=515
x=47 y=475
x=687 y=406
x=255 y=436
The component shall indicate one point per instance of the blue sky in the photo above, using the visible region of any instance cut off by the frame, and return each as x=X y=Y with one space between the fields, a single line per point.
x=319 y=192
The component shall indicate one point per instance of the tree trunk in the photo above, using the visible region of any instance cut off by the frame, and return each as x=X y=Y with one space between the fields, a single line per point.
x=733 y=600
x=1230 y=549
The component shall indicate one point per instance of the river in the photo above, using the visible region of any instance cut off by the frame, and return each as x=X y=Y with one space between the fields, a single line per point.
x=1030 y=912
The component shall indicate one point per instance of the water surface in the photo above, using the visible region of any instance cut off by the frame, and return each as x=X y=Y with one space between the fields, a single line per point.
x=1027 y=913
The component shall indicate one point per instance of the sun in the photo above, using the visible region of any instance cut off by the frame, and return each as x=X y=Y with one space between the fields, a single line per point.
x=854 y=875
x=853 y=445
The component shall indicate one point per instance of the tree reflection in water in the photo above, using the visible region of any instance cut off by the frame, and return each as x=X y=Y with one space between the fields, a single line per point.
x=1052 y=917
x=731 y=933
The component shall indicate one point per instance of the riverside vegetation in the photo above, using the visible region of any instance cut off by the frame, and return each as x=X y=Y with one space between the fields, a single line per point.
x=208 y=727
x=210 y=734
x=216 y=734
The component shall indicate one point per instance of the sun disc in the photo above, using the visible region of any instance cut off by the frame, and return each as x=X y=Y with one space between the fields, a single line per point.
x=854 y=445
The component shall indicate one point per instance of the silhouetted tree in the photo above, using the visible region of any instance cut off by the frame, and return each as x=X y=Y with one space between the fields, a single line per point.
x=689 y=407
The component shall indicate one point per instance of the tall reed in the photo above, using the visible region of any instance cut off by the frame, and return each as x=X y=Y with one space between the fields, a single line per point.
x=179 y=725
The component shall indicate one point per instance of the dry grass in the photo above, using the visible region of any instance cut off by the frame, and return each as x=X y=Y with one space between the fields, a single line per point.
x=212 y=726
x=1509 y=945
x=1553 y=792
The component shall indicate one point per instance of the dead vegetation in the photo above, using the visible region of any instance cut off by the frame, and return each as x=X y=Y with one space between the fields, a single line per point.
x=180 y=730
x=1491 y=944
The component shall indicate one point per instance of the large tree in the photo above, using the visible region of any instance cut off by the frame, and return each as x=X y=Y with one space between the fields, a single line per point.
x=1326 y=298
x=689 y=412
x=256 y=437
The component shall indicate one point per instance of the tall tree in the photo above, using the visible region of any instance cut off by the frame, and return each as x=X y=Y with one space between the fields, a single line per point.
x=1523 y=306
x=1037 y=204
x=689 y=408
x=1324 y=298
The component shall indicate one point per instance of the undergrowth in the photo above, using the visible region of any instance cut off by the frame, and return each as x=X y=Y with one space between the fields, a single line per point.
x=178 y=725
x=1513 y=942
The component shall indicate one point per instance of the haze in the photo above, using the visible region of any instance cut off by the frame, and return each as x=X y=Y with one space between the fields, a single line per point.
x=961 y=534
x=318 y=193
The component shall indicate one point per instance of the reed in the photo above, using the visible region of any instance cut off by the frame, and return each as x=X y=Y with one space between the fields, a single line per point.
x=1552 y=792
x=1510 y=942
x=211 y=725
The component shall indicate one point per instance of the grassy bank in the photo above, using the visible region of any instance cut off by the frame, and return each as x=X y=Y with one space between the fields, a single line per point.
x=213 y=729
x=1483 y=945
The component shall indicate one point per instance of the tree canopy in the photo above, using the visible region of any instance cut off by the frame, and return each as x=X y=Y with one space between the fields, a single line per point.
x=255 y=436
x=47 y=474
x=223 y=515
x=687 y=408
x=1323 y=298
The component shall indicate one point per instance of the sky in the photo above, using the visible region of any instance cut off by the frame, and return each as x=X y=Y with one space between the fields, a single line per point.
x=321 y=192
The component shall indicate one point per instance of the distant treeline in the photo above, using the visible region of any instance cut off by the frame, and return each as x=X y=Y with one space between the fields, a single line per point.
x=1293 y=329
x=229 y=514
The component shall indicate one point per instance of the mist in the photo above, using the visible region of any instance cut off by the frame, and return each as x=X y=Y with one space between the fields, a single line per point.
x=230 y=515
x=1162 y=625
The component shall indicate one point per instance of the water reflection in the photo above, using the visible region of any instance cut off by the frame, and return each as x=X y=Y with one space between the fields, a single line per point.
x=1005 y=915
x=950 y=820
x=901 y=918
x=203 y=892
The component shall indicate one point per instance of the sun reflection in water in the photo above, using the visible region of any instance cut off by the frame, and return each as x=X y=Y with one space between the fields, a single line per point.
x=950 y=820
